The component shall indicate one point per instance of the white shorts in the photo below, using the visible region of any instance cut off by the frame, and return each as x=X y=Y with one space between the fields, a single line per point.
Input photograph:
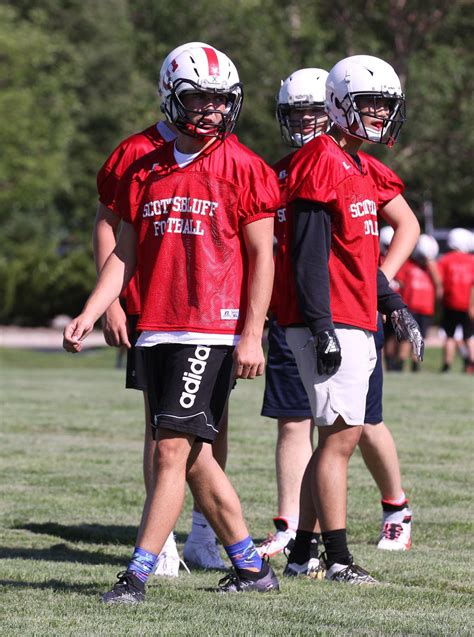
x=343 y=393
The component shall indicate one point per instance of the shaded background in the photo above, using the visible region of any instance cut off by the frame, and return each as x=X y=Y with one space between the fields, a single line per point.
x=79 y=75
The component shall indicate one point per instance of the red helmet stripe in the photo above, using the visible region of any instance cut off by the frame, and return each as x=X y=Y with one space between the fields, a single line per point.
x=212 y=61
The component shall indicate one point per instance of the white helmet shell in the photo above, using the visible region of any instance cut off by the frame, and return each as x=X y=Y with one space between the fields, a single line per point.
x=303 y=89
x=201 y=68
x=385 y=238
x=370 y=77
x=426 y=248
x=460 y=239
x=170 y=57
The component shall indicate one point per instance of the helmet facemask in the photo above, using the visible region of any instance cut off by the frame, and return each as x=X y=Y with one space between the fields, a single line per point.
x=185 y=120
x=297 y=133
x=388 y=128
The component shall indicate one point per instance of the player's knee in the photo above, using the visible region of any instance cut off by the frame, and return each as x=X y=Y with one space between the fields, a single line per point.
x=171 y=452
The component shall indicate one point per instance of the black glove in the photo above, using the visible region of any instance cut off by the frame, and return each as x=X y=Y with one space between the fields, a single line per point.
x=407 y=329
x=328 y=352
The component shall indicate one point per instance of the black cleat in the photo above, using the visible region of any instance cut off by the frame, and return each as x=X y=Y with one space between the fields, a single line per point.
x=128 y=590
x=235 y=583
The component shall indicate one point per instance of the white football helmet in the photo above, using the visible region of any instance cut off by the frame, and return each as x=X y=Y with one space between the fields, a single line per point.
x=303 y=89
x=364 y=77
x=201 y=68
x=385 y=238
x=460 y=239
x=426 y=248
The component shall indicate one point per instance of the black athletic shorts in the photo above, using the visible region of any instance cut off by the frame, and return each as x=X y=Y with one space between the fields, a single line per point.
x=424 y=321
x=136 y=375
x=188 y=387
x=452 y=318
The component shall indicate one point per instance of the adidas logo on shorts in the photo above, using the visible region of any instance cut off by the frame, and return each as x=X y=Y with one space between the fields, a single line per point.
x=192 y=379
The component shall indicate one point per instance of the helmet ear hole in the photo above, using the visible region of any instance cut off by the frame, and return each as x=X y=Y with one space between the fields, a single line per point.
x=337 y=103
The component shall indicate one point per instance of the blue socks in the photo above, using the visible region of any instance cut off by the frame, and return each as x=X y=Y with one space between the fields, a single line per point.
x=142 y=563
x=244 y=556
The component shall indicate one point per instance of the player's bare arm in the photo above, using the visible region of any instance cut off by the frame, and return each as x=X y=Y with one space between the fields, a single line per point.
x=114 y=277
x=249 y=359
x=104 y=238
x=407 y=230
x=470 y=309
x=435 y=277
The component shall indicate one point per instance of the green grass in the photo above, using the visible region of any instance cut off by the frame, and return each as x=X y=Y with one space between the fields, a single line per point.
x=71 y=495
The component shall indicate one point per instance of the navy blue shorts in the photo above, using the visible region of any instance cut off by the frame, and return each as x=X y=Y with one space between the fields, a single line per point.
x=285 y=396
x=373 y=403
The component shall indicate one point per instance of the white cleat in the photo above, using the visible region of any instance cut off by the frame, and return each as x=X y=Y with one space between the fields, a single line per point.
x=275 y=543
x=168 y=562
x=279 y=541
x=396 y=531
x=204 y=555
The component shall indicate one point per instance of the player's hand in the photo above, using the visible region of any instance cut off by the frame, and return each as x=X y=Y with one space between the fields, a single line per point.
x=249 y=359
x=328 y=352
x=75 y=333
x=114 y=326
x=407 y=329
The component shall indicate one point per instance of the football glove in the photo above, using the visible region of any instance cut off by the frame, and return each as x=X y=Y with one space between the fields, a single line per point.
x=407 y=329
x=328 y=352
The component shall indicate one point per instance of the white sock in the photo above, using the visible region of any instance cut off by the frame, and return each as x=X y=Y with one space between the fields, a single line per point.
x=201 y=530
x=292 y=521
x=397 y=501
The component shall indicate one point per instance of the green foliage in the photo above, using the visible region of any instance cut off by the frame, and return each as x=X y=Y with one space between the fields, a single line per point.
x=39 y=282
x=36 y=115
x=80 y=75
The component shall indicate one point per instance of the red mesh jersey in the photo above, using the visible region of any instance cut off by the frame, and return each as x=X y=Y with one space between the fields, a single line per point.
x=108 y=177
x=417 y=288
x=322 y=172
x=189 y=223
x=457 y=272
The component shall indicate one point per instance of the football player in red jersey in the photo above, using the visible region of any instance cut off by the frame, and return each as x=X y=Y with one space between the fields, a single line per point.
x=300 y=112
x=120 y=328
x=420 y=285
x=337 y=193
x=301 y=115
x=198 y=225
x=456 y=268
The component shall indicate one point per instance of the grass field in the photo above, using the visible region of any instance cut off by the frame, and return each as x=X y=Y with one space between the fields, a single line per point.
x=71 y=495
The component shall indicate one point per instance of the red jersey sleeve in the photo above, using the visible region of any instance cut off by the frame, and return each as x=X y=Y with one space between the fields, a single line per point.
x=127 y=197
x=388 y=184
x=108 y=177
x=115 y=166
x=261 y=197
